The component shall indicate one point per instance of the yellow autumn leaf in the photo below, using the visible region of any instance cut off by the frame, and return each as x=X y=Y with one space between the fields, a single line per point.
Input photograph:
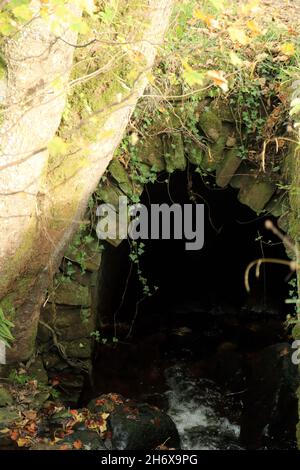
x=209 y=20
x=238 y=35
x=219 y=79
x=254 y=28
x=288 y=49
x=103 y=426
x=22 y=442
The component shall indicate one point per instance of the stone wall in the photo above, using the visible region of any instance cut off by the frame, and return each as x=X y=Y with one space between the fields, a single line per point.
x=68 y=319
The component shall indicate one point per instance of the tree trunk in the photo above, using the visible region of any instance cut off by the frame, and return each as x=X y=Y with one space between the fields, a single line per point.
x=43 y=198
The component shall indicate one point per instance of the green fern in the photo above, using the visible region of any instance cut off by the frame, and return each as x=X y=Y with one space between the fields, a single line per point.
x=5 y=329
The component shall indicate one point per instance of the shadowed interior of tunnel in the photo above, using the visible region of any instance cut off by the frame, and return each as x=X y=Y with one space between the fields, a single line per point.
x=200 y=316
x=210 y=279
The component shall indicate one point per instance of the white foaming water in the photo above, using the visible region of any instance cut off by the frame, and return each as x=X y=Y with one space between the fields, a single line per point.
x=194 y=406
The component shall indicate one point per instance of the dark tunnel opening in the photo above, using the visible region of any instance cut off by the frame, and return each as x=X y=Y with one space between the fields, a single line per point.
x=212 y=277
x=200 y=323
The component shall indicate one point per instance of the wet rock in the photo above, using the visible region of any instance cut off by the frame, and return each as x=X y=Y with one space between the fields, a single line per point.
x=226 y=368
x=270 y=409
x=84 y=439
x=135 y=426
x=41 y=398
x=277 y=205
x=80 y=319
x=211 y=437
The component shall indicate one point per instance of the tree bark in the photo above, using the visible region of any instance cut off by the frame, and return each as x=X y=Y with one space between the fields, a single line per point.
x=41 y=201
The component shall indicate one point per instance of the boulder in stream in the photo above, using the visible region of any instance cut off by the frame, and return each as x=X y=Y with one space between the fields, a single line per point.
x=135 y=426
x=270 y=413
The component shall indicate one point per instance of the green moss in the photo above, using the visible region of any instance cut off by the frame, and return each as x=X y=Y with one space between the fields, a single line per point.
x=211 y=124
x=17 y=263
x=150 y=151
x=119 y=173
x=214 y=154
x=194 y=153
x=72 y=293
x=257 y=194
x=227 y=167
x=174 y=153
x=292 y=165
x=103 y=75
x=110 y=194
x=16 y=297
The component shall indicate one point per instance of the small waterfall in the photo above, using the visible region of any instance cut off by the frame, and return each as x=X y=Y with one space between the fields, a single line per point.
x=202 y=413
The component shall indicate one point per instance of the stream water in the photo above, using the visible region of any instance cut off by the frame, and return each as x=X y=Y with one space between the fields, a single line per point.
x=198 y=376
x=205 y=415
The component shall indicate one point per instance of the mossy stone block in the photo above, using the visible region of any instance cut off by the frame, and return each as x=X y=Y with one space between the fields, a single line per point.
x=151 y=151
x=257 y=194
x=276 y=206
x=72 y=293
x=174 y=153
x=214 y=154
x=110 y=194
x=222 y=110
x=81 y=348
x=92 y=258
x=227 y=168
x=211 y=124
x=119 y=173
x=194 y=153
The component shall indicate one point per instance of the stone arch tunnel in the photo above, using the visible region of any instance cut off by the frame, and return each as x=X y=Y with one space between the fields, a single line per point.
x=220 y=332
